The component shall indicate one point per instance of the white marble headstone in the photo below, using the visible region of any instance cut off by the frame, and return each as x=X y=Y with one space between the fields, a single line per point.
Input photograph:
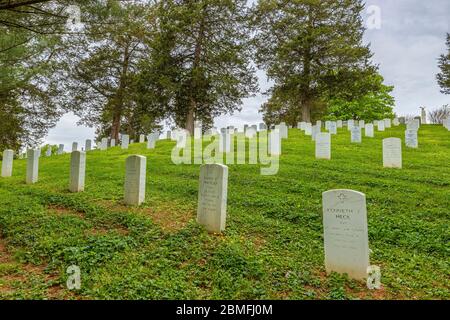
x=88 y=145
x=411 y=139
x=60 y=149
x=212 y=197
x=332 y=127
x=7 y=163
x=274 y=142
x=345 y=233
x=356 y=134
x=350 y=124
x=308 y=129
x=368 y=130
x=323 y=145
x=135 y=176
x=32 y=166
x=125 y=141
x=392 y=153
x=77 y=171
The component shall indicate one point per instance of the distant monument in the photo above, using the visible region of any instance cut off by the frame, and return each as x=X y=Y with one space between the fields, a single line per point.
x=423 y=116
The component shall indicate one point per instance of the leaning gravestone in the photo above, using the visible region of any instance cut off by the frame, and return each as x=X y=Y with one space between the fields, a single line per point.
x=125 y=141
x=32 y=166
x=392 y=153
x=323 y=145
x=77 y=171
x=411 y=140
x=135 y=176
x=88 y=145
x=356 y=134
x=345 y=233
x=7 y=163
x=369 y=130
x=212 y=197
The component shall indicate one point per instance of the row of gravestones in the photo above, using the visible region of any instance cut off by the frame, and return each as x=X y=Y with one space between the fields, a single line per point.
x=344 y=211
x=104 y=144
x=344 y=220
x=392 y=147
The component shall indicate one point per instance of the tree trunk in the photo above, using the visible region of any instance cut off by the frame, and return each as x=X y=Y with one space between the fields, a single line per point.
x=190 y=117
x=118 y=105
x=115 y=128
x=306 y=110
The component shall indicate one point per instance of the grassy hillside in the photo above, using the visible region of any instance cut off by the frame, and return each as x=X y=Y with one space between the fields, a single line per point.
x=272 y=247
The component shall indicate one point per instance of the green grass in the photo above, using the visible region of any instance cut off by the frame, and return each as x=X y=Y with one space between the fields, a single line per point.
x=273 y=244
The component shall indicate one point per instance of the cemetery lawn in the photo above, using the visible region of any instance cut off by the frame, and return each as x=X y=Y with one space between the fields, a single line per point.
x=273 y=244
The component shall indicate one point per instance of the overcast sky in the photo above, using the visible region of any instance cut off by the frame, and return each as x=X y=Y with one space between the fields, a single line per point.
x=406 y=47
